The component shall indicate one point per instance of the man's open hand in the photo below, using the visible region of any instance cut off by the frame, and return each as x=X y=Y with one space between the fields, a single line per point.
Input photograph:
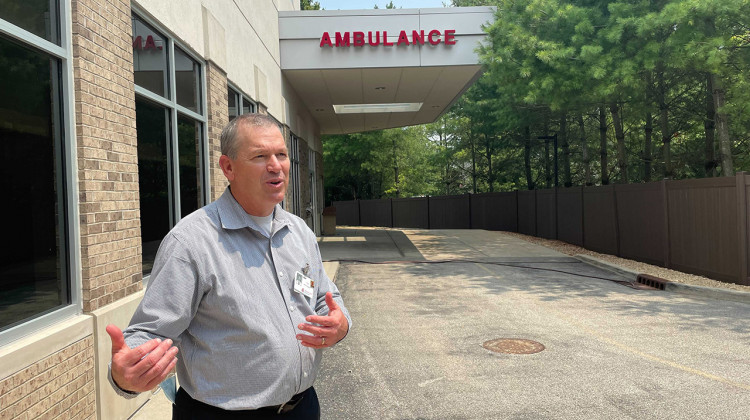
x=329 y=330
x=142 y=368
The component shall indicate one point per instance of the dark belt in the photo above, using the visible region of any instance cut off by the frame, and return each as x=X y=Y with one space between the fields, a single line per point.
x=184 y=399
x=287 y=406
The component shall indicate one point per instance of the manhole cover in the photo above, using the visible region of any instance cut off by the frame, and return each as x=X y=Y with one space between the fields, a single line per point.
x=513 y=346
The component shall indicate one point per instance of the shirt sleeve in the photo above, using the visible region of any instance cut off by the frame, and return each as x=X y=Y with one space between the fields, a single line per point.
x=119 y=391
x=172 y=297
x=326 y=285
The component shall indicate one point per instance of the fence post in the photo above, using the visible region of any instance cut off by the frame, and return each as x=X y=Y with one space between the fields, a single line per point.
x=742 y=222
x=667 y=239
x=359 y=212
x=517 y=221
x=468 y=195
x=390 y=203
x=557 y=215
x=428 y=212
x=617 y=219
x=536 y=215
x=583 y=217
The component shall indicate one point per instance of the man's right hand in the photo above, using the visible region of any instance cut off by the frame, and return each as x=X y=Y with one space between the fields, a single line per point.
x=142 y=368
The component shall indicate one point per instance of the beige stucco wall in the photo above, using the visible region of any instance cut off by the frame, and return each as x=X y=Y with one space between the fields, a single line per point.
x=248 y=31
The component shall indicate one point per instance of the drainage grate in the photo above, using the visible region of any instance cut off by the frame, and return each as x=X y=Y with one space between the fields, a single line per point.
x=513 y=346
x=655 y=282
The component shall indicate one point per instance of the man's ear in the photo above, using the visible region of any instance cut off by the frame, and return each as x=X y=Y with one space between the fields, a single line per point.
x=226 y=166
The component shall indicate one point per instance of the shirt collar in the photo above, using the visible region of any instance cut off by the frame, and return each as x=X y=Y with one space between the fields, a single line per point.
x=233 y=216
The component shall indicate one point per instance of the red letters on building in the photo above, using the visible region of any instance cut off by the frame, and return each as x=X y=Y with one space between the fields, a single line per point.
x=377 y=38
x=385 y=39
x=150 y=44
x=402 y=38
x=357 y=39
x=434 y=41
x=326 y=40
x=342 y=40
x=417 y=37
x=450 y=37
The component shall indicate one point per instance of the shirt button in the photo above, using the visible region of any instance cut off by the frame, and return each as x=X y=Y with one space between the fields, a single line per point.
x=305 y=374
x=291 y=308
x=281 y=274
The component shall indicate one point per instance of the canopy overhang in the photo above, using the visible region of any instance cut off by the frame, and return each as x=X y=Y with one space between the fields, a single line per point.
x=400 y=57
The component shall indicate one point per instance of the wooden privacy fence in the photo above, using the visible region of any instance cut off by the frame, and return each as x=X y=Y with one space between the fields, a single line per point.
x=696 y=226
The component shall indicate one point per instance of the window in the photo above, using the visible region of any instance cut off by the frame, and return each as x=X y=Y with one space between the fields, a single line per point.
x=313 y=190
x=170 y=121
x=150 y=58
x=40 y=18
x=35 y=133
x=294 y=176
x=239 y=104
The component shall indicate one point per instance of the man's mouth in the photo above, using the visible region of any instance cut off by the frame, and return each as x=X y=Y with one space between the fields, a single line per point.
x=276 y=182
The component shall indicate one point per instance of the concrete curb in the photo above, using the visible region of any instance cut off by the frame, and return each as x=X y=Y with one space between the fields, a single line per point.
x=331 y=268
x=685 y=289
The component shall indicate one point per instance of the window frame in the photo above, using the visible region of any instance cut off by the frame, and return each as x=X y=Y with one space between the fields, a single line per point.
x=239 y=97
x=295 y=175
x=313 y=173
x=174 y=109
x=71 y=256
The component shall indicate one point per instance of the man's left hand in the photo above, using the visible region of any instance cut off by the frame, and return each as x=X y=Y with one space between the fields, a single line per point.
x=330 y=329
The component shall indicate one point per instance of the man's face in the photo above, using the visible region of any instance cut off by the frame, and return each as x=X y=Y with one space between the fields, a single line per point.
x=259 y=174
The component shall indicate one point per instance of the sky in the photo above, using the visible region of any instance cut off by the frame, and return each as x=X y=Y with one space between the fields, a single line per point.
x=369 y=4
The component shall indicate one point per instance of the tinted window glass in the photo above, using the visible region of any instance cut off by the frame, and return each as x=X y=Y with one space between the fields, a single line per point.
x=39 y=17
x=189 y=137
x=232 y=96
x=187 y=79
x=33 y=273
x=149 y=58
x=247 y=106
x=152 y=123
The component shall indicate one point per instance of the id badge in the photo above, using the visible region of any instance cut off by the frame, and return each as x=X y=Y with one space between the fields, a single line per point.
x=304 y=285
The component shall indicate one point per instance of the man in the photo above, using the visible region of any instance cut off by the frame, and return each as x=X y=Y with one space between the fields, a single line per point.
x=239 y=288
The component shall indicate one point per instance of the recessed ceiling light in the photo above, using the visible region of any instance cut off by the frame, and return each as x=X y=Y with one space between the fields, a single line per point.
x=379 y=87
x=375 y=108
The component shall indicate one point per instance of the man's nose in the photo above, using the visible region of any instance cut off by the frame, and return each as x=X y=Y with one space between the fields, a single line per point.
x=273 y=164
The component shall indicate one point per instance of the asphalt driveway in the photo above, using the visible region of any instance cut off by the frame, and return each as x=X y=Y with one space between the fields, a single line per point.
x=610 y=351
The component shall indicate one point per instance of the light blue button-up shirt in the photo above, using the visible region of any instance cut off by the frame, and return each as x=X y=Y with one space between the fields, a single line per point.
x=223 y=291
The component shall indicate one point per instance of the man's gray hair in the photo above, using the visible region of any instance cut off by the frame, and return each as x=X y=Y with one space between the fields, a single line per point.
x=229 y=143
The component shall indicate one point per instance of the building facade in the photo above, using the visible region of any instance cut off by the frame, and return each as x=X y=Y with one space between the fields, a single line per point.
x=110 y=116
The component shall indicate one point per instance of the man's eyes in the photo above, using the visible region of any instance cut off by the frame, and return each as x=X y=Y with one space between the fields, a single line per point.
x=278 y=156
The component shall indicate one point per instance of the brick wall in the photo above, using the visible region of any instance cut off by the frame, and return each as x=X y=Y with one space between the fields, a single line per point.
x=60 y=386
x=218 y=117
x=107 y=151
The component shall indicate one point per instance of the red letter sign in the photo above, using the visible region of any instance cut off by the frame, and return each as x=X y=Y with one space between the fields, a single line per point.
x=450 y=37
x=402 y=38
x=358 y=38
x=342 y=41
x=433 y=41
x=377 y=38
x=326 y=40
x=385 y=39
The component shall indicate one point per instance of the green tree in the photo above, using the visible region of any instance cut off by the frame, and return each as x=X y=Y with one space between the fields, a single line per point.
x=309 y=5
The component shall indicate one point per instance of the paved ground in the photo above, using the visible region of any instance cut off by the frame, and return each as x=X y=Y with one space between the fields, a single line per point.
x=415 y=351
